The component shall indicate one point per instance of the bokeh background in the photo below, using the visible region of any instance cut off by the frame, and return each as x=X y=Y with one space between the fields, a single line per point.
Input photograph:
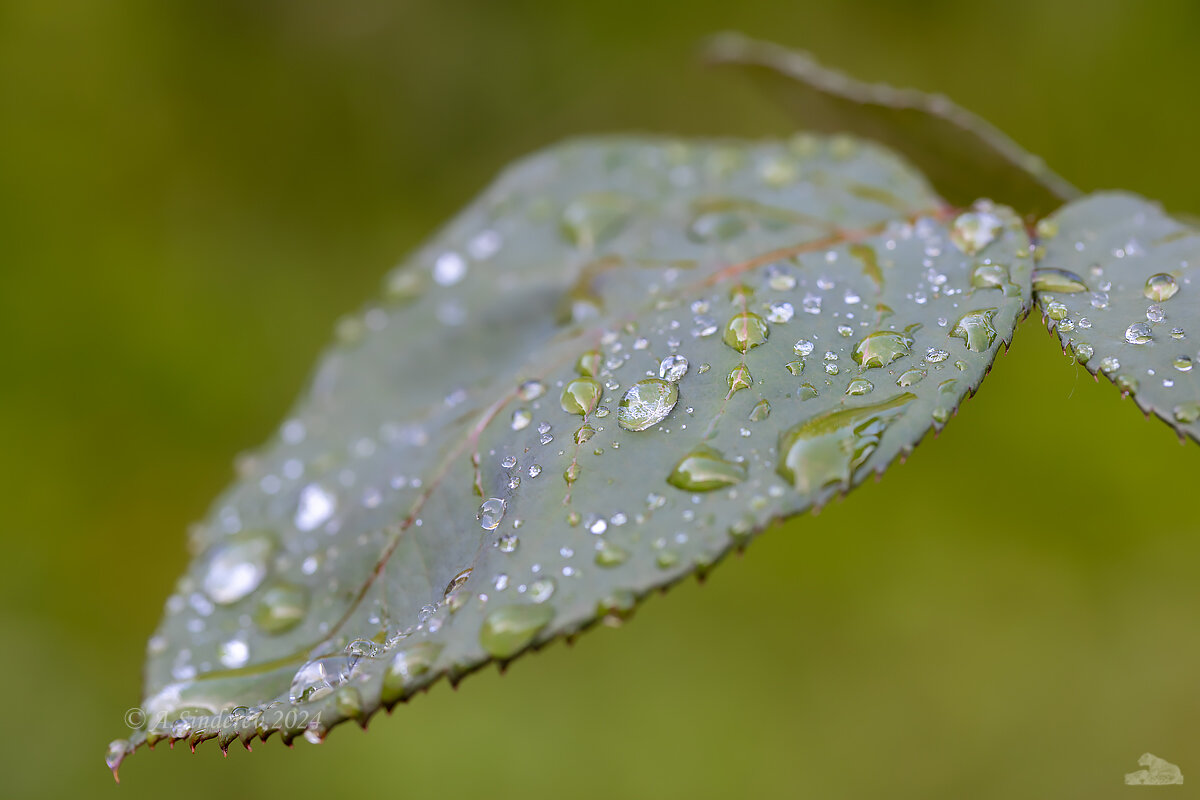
x=192 y=192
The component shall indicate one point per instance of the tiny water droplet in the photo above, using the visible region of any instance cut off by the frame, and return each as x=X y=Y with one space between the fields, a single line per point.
x=780 y=312
x=1155 y=313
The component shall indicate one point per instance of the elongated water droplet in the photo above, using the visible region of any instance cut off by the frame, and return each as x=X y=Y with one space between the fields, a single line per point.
x=319 y=677
x=806 y=391
x=975 y=329
x=457 y=582
x=744 y=331
x=761 y=410
x=705 y=469
x=281 y=606
x=646 y=403
x=507 y=630
x=589 y=363
x=1160 y=287
x=739 y=378
x=237 y=565
x=881 y=348
x=583 y=433
x=491 y=513
x=581 y=396
x=828 y=448
x=860 y=386
x=1059 y=281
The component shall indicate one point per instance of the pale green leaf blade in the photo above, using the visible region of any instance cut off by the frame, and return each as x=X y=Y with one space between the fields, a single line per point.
x=469 y=475
x=1117 y=281
x=962 y=155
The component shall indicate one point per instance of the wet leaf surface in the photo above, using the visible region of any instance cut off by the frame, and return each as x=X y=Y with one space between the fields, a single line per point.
x=1116 y=281
x=623 y=360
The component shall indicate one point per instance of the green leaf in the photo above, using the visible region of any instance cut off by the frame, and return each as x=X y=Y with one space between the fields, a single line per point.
x=619 y=363
x=1115 y=281
x=961 y=154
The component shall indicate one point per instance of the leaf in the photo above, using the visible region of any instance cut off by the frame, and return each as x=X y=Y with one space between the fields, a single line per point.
x=1115 y=281
x=961 y=154
x=624 y=359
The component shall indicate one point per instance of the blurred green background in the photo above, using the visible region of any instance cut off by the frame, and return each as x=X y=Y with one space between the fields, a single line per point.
x=192 y=192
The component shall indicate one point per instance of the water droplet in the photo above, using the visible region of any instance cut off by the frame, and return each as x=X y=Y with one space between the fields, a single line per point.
x=881 y=348
x=281 y=606
x=795 y=367
x=406 y=667
x=596 y=218
x=234 y=653
x=115 y=754
x=646 y=403
x=521 y=419
x=806 y=391
x=1155 y=313
x=457 y=582
x=589 y=363
x=860 y=386
x=508 y=630
x=572 y=473
x=975 y=329
x=993 y=276
x=531 y=390
x=319 y=677
x=610 y=555
x=1059 y=281
x=1187 y=412
x=1126 y=383
x=1083 y=352
x=739 y=378
x=314 y=508
x=581 y=396
x=705 y=469
x=583 y=433
x=934 y=355
x=802 y=348
x=541 y=590
x=1182 y=363
x=673 y=368
x=1138 y=333
x=975 y=230
x=761 y=410
x=744 y=331
x=780 y=312
x=1109 y=364
x=1160 y=287
x=910 y=377
x=534 y=470
x=237 y=565
x=491 y=513
x=449 y=268
x=828 y=448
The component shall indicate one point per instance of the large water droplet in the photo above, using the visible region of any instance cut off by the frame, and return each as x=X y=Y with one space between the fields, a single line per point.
x=705 y=469
x=745 y=331
x=1139 y=333
x=491 y=513
x=974 y=231
x=507 y=630
x=581 y=396
x=281 y=606
x=881 y=348
x=828 y=448
x=673 y=368
x=1059 y=281
x=237 y=565
x=1160 y=287
x=975 y=329
x=646 y=403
